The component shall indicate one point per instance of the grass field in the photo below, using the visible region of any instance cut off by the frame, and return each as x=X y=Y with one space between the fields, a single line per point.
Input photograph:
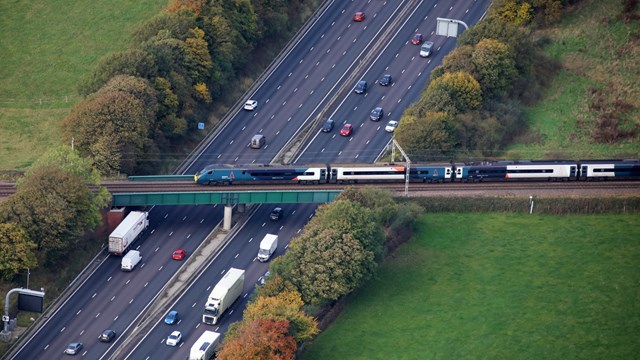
x=494 y=286
x=46 y=47
x=596 y=51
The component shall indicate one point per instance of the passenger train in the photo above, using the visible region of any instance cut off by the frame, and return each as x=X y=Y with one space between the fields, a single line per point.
x=559 y=170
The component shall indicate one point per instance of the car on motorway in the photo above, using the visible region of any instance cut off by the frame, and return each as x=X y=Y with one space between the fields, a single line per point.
x=174 y=338
x=171 y=318
x=276 y=213
x=359 y=16
x=391 y=126
x=346 y=130
x=416 y=39
x=376 y=114
x=425 y=49
x=263 y=279
x=328 y=126
x=179 y=254
x=385 y=80
x=250 y=105
x=107 y=335
x=361 y=87
x=73 y=348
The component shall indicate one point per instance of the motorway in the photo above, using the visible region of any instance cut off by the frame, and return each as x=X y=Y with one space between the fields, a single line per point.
x=327 y=59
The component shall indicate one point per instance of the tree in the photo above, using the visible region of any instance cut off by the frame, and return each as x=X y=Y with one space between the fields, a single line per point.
x=110 y=128
x=197 y=58
x=16 y=251
x=132 y=62
x=51 y=206
x=326 y=264
x=495 y=67
x=453 y=93
x=68 y=159
x=137 y=87
x=286 y=305
x=459 y=59
x=427 y=138
x=262 y=339
x=377 y=200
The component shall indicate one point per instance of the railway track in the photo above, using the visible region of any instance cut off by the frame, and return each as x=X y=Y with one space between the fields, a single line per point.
x=493 y=188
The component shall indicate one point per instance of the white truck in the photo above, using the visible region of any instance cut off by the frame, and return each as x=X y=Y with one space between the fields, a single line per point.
x=268 y=246
x=130 y=260
x=128 y=230
x=205 y=346
x=226 y=291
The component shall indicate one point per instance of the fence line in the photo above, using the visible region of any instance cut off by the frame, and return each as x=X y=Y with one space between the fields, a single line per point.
x=40 y=100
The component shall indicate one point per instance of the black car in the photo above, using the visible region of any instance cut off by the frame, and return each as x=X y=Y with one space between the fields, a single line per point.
x=107 y=336
x=376 y=114
x=276 y=214
x=327 y=126
x=361 y=88
x=385 y=80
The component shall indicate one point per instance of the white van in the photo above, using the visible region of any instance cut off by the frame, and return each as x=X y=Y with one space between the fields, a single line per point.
x=258 y=140
x=130 y=260
x=425 y=49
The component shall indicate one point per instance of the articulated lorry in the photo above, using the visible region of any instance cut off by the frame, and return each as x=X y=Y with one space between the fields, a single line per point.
x=268 y=246
x=226 y=291
x=205 y=346
x=128 y=230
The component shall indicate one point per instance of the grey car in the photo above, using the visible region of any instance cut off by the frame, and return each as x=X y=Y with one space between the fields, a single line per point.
x=73 y=348
x=361 y=88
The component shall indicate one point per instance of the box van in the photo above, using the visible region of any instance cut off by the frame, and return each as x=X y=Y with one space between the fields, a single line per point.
x=425 y=49
x=258 y=141
x=130 y=260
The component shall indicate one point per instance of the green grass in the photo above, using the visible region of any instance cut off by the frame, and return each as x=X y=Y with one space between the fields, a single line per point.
x=46 y=47
x=494 y=286
x=596 y=50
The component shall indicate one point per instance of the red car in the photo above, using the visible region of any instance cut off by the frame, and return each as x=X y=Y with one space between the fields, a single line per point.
x=416 y=39
x=359 y=16
x=346 y=130
x=179 y=254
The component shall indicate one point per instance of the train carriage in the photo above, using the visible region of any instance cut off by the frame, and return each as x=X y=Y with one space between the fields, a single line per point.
x=430 y=173
x=215 y=175
x=519 y=170
x=354 y=174
x=609 y=169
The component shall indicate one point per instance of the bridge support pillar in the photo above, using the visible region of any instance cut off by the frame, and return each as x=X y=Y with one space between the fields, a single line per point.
x=241 y=207
x=228 y=212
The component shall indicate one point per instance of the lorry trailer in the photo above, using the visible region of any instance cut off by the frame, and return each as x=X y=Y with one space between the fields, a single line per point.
x=128 y=230
x=226 y=291
x=205 y=346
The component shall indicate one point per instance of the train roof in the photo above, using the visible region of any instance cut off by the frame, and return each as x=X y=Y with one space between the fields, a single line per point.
x=611 y=161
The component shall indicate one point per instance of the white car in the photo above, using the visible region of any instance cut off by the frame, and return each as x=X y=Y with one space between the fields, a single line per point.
x=174 y=338
x=250 y=105
x=391 y=126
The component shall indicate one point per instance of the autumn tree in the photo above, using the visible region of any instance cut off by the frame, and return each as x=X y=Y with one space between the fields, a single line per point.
x=453 y=93
x=260 y=339
x=286 y=305
x=51 y=205
x=17 y=251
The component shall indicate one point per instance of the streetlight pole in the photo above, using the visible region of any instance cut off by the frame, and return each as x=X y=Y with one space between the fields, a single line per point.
x=28 y=273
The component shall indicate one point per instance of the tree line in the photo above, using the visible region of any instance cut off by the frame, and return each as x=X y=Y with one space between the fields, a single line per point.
x=338 y=251
x=148 y=99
